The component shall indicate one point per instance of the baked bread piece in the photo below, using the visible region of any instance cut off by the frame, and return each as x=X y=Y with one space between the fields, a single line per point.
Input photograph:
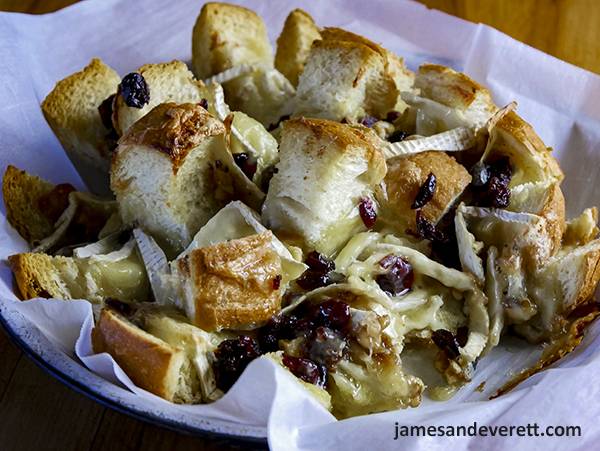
x=456 y=90
x=231 y=285
x=41 y=275
x=404 y=178
x=150 y=362
x=23 y=193
x=227 y=35
x=167 y=82
x=163 y=172
x=325 y=169
x=71 y=110
x=347 y=77
x=294 y=43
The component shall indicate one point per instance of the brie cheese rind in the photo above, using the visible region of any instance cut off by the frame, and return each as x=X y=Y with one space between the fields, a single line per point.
x=325 y=170
x=453 y=140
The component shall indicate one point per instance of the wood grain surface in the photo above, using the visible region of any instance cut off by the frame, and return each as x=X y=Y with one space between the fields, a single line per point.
x=39 y=413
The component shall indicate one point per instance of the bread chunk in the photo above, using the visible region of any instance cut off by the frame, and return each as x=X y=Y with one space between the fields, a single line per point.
x=294 y=43
x=151 y=363
x=405 y=176
x=41 y=275
x=227 y=35
x=233 y=284
x=325 y=169
x=347 y=77
x=456 y=90
x=163 y=172
x=167 y=82
x=71 y=110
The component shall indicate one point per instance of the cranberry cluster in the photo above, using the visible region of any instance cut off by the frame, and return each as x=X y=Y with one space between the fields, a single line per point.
x=398 y=279
x=490 y=183
x=232 y=358
x=320 y=272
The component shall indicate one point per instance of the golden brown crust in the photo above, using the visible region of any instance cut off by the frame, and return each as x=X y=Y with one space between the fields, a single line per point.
x=512 y=126
x=553 y=211
x=458 y=89
x=406 y=175
x=147 y=360
x=235 y=283
x=590 y=275
x=346 y=138
x=22 y=193
x=293 y=44
x=27 y=269
x=173 y=129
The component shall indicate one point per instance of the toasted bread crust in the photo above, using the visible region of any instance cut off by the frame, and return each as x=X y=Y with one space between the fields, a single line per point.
x=148 y=361
x=293 y=44
x=512 y=126
x=228 y=35
x=71 y=110
x=346 y=138
x=234 y=282
x=22 y=192
x=406 y=175
x=173 y=130
x=553 y=211
x=31 y=273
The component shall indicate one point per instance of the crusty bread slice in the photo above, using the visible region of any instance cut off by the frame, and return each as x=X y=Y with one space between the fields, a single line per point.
x=403 y=180
x=167 y=82
x=231 y=285
x=151 y=363
x=164 y=169
x=71 y=110
x=227 y=35
x=531 y=160
x=294 y=43
x=41 y=275
x=22 y=193
x=347 y=76
x=456 y=90
x=582 y=229
x=325 y=169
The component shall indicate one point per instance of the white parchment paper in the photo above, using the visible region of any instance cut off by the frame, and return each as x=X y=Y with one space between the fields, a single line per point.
x=561 y=101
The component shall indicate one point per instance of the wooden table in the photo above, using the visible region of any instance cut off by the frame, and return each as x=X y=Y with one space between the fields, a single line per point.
x=38 y=412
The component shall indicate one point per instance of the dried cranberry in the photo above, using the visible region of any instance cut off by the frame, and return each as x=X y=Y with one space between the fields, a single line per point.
x=105 y=109
x=306 y=369
x=326 y=346
x=498 y=194
x=310 y=279
x=134 y=90
x=246 y=163
x=366 y=209
x=399 y=278
x=266 y=177
x=203 y=103
x=123 y=308
x=445 y=340
x=490 y=183
x=427 y=230
x=369 y=121
x=232 y=358
x=397 y=136
x=277 y=282
x=318 y=262
x=462 y=336
x=392 y=116
x=333 y=314
x=426 y=192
